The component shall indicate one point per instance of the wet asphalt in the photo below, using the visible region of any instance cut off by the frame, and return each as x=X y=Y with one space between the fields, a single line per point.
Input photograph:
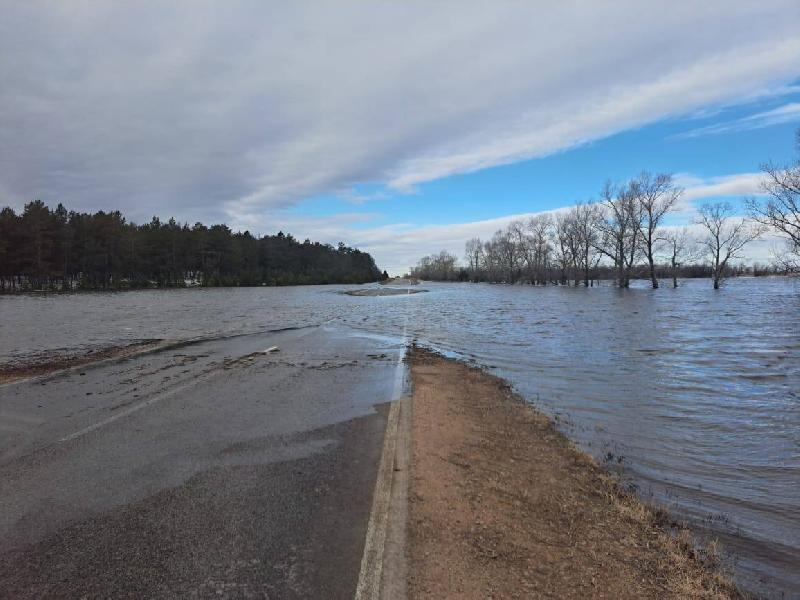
x=211 y=469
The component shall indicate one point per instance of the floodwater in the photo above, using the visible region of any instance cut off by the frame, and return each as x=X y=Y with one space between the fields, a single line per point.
x=694 y=394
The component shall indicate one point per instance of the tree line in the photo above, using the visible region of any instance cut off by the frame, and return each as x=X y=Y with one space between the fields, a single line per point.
x=622 y=236
x=56 y=249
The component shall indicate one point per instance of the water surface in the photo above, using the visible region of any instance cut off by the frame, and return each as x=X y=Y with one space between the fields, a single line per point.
x=693 y=392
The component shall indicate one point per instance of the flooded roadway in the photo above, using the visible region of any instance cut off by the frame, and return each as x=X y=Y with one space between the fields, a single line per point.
x=209 y=468
x=692 y=393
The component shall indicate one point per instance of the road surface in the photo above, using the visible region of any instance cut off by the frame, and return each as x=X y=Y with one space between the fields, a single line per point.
x=205 y=470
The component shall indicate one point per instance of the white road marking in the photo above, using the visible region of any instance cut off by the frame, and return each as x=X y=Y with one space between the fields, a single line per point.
x=150 y=401
x=127 y=411
x=369 y=577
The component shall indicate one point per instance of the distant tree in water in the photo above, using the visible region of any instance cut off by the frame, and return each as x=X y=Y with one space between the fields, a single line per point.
x=679 y=248
x=438 y=267
x=725 y=236
x=780 y=211
x=657 y=196
x=622 y=237
x=56 y=249
x=621 y=229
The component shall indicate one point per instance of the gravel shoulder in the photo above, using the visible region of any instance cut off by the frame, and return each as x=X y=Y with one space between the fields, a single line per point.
x=502 y=505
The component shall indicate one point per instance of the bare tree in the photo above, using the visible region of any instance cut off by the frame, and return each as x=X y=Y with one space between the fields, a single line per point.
x=575 y=235
x=473 y=252
x=725 y=236
x=574 y=243
x=507 y=252
x=586 y=220
x=524 y=252
x=564 y=245
x=492 y=265
x=680 y=247
x=621 y=228
x=540 y=230
x=438 y=267
x=781 y=210
x=656 y=195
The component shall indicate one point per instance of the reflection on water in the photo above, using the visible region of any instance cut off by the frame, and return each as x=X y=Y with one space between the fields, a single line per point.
x=694 y=393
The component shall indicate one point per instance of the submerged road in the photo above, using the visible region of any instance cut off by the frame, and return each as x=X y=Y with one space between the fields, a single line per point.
x=206 y=470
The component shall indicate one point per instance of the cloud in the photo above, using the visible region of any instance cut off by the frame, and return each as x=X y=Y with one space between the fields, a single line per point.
x=402 y=247
x=755 y=96
x=777 y=116
x=697 y=188
x=398 y=246
x=353 y=196
x=228 y=111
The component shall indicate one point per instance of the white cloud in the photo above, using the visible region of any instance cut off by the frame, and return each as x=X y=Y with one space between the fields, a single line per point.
x=697 y=188
x=207 y=110
x=398 y=246
x=783 y=114
x=571 y=121
x=395 y=247
x=757 y=95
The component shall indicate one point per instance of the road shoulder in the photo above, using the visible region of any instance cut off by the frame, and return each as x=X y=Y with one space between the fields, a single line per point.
x=502 y=505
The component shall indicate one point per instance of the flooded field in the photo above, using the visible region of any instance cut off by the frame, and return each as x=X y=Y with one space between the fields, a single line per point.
x=693 y=394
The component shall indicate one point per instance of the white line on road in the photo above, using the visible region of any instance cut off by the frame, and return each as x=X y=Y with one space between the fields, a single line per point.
x=370 y=575
x=369 y=579
x=203 y=376
x=128 y=411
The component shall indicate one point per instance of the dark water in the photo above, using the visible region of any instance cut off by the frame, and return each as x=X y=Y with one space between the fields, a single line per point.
x=695 y=394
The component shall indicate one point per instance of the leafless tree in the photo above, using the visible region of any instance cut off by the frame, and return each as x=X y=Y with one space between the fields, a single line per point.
x=440 y=267
x=474 y=253
x=725 y=236
x=586 y=220
x=507 y=251
x=524 y=252
x=500 y=257
x=540 y=230
x=574 y=243
x=573 y=233
x=781 y=210
x=656 y=195
x=679 y=247
x=564 y=244
x=621 y=229
x=492 y=265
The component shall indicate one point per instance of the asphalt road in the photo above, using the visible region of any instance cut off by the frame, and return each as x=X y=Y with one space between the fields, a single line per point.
x=208 y=470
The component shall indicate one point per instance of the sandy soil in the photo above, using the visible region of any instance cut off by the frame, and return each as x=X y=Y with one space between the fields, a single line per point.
x=502 y=505
x=51 y=364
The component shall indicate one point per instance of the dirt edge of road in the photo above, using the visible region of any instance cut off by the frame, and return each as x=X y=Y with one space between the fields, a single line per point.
x=10 y=373
x=502 y=505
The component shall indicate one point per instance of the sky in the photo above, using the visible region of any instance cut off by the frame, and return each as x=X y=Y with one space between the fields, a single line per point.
x=401 y=128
